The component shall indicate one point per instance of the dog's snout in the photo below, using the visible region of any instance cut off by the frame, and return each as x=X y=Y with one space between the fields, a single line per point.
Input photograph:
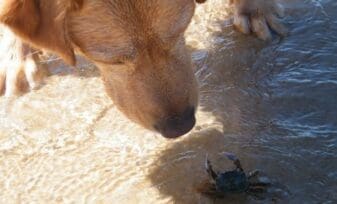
x=177 y=125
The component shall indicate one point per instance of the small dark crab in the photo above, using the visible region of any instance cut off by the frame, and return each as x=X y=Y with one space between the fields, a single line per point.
x=235 y=181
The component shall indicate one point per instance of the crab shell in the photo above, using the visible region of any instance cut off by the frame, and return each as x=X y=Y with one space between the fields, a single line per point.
x=232 y=181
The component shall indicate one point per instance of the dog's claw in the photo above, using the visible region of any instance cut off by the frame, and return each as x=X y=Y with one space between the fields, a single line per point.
x=241 y=22
x=276 y=25
x=260 y=28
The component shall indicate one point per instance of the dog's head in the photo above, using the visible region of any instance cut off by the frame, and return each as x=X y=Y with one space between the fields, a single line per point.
x=138 y=46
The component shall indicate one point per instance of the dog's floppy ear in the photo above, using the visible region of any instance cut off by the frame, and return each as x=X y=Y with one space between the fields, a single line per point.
x=42 y=23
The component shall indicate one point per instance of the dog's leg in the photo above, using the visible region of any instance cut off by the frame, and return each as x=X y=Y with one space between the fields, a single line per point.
x=259 y=17
x=19 y=68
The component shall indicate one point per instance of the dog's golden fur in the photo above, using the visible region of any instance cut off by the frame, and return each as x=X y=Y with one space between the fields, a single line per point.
x=138 y=46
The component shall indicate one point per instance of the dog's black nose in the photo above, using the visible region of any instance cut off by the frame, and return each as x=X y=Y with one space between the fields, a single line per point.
x=177 y=125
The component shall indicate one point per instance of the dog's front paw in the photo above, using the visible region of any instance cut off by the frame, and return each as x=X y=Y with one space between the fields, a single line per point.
x=19 y=68
x=19 y=76
x=259 y=17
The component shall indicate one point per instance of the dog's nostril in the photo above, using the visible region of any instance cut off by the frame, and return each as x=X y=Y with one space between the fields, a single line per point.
x=189 y=113
x=177 y=125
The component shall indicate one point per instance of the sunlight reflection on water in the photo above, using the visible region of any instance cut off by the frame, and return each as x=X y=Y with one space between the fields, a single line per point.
x=273 y=104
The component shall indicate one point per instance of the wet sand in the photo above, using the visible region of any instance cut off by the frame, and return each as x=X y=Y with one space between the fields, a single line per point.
x=272 y=104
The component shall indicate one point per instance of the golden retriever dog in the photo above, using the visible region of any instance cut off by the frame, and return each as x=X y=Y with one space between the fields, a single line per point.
x=138 y=46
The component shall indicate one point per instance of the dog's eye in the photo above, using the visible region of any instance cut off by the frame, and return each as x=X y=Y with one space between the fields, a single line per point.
x=118 y=62
x=123 y=59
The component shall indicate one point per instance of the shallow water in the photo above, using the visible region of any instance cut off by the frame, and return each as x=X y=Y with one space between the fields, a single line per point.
x=272 y=104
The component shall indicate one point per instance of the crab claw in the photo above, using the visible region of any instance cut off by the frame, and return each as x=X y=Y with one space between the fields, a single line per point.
x=207 y=163
x=235 y=160
x=210 y=170
x=230 y=156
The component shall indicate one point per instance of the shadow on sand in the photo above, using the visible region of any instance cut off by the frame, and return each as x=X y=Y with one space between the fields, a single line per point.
x=232 y=91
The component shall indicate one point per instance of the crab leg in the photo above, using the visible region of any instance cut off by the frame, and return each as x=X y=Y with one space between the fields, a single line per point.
x=254 y=193
x=259 y=185
x=210 y=170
